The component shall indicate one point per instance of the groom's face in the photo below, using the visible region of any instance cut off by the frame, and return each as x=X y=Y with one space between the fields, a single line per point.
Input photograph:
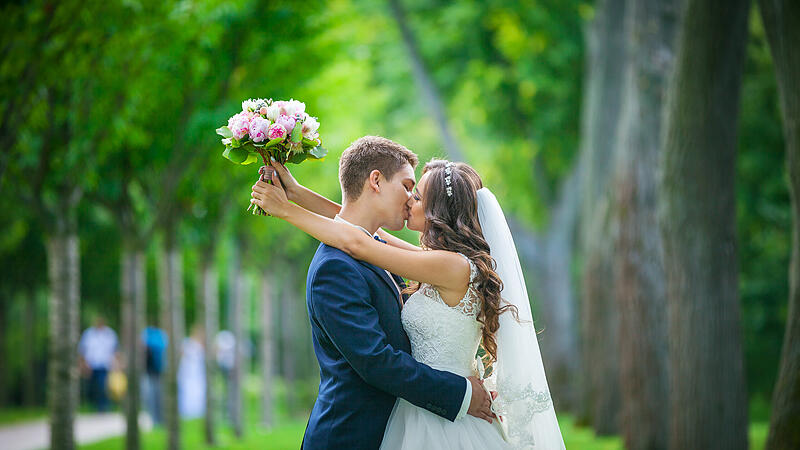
x=396 y=196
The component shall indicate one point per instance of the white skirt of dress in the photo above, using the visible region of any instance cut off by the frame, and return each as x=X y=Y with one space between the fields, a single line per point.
x=413 y=428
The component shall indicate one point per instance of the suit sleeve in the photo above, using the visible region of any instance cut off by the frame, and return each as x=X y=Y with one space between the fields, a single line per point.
x=340 y=303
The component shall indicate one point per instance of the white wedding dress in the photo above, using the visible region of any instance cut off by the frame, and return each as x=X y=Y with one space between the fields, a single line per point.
x=445 y=338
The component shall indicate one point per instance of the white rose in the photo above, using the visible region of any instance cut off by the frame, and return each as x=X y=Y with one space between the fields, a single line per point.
x=310 y=127
x=295 y=107
x=249 y=105
x=276 y=109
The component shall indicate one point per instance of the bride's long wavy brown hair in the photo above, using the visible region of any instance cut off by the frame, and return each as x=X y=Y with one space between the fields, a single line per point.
x=451 y=223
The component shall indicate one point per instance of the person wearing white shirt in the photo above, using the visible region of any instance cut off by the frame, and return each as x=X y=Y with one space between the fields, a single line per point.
x=97 y=349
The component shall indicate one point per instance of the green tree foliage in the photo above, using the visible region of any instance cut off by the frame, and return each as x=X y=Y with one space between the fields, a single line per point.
x=763 y=219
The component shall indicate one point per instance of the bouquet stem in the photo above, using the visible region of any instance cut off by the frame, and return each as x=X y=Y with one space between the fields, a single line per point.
x=257 y=210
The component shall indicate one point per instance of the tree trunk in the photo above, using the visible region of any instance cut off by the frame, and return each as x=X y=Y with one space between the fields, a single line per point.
x=782 y=25
x=267 y=349
x=599 y=324
x=64 y=277
x=235 y=284
x=171 y=287
x=210 y=316
x=550 y=267
x=28 y=367
x=430 y=94
x=4 y=303
x=288 y=340
x=133 y=300
x=708 y=404
x=640 y=285
x=240 y=366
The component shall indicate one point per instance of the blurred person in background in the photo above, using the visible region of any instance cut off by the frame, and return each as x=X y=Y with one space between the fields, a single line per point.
x=226 y=358
x=155 y=345
x=192 y=376
x=98 y=354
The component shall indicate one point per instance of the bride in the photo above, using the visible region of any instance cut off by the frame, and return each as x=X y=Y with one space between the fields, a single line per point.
x=470 y=298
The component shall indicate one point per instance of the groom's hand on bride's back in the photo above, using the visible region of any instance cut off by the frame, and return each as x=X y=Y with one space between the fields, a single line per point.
x=481 y=404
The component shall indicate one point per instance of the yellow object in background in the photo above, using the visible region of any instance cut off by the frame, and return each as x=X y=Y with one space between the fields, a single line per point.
x=117 y=384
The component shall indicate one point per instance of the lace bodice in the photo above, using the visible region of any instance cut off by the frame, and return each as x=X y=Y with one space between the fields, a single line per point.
x=442 y=336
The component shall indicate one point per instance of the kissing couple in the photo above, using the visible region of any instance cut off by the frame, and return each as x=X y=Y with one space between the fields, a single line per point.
x=451 y=360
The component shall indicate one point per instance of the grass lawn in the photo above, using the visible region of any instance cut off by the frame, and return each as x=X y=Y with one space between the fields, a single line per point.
x=15 y=415
x=289 y=433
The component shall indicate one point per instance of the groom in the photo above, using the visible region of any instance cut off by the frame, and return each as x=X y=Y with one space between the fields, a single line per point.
x=354 y=308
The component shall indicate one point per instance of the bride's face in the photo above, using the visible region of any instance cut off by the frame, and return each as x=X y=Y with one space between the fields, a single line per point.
x=416 y=216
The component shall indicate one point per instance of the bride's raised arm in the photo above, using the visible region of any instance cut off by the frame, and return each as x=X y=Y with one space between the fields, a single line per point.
x=321 y=205
x=447 y=270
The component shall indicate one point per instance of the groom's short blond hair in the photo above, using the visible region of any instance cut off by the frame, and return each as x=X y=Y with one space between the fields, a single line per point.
x=367 y=154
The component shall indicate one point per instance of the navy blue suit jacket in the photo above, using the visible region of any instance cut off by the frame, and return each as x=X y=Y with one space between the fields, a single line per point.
x=364 y=356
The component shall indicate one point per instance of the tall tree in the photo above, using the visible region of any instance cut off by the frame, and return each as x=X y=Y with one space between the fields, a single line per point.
x=782 y=25
x=546 y=255
x=140 y=177
x=236 y=291
x=267 y=348
x=708 y=406
x=117 y=194
x=29 y=372
x=171 y=295
x=639 y=284
x=209 y=301
x=53 y=168
x=289 y=342
x=607 y=60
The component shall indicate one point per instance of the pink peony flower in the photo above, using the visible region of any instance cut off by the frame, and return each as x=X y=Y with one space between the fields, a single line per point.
x=240 y=124
x=276 y=131
x=310 y=127
x=258 y=128
x=288 y=122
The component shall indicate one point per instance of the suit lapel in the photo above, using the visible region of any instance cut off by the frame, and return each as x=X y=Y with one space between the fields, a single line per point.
x=385 y=277
x=402 y=284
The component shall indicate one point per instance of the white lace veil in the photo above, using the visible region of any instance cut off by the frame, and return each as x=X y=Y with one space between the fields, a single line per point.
x=523 y=398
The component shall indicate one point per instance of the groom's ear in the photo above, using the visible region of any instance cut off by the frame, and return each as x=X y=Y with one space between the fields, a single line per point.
x=374 y=181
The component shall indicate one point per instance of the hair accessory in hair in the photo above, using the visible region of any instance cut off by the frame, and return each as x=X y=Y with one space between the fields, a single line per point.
x=448 y=170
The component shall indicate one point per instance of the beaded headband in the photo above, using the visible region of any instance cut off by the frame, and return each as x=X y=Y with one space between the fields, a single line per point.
x=448 y=170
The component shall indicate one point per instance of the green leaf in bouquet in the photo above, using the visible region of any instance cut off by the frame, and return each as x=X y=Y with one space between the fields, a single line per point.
x=258 y=145
x=274 y=142
x=251 y=158
x=309 y=143
x=318 y=152
x=236 y=143
x=297 y=158
x=297 y=133
x=224 y=132
x=240 y=155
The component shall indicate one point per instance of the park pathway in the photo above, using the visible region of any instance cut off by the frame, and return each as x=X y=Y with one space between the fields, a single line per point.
x=89 y=428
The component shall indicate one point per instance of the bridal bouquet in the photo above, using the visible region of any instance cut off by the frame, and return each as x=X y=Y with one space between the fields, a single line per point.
x=271 y=129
